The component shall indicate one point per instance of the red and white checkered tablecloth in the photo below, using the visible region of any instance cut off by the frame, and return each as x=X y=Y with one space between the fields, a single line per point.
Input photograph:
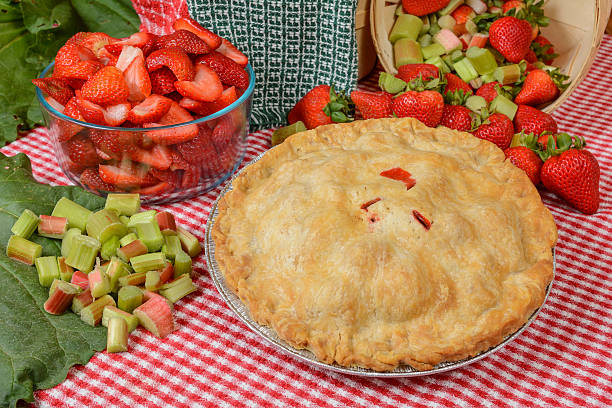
x=563 y=359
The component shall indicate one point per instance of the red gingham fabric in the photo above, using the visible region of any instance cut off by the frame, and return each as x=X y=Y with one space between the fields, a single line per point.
x=563 y=359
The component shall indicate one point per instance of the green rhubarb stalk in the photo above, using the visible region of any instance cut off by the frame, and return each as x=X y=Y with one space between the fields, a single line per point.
x=92 y=314
x=117 y=336
x=153 y=280
x=405 y=26
x=22 y=250
x=133 y=279
x=76 y=214
x=110 y=247
x=83 y=252
x=104 y=224
x=81 y=301
x=143 y=216
x=123 y=203
x=182 y=264
x=116 y=269
x=112 y=312
x=66 y=271
x=281 y=134
x=131 y=237
x=482 y=60
x=189 y=242
x=150 y=235
x=26 y=224
x=178 y=288
x=47 y=269
x=129 y=298
x=172 y=246
x=501 y=104
x=67 y=240
x=148 y=262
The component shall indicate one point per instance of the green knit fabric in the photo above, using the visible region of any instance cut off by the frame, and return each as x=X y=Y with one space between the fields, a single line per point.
x=293 y=46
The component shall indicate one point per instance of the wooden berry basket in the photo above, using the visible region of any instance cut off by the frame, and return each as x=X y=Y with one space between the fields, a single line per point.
x=576 y=29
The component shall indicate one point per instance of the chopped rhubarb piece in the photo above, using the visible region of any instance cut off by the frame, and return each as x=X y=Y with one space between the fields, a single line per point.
x=189 y=242
x=110 y=247
x=47 y=269
x=129 y=298
x=52 y=227
x=172 y=246
x=81 y=301
x=131 y=237
x=77 y=214
x=149 y=233
x=80 y=279
x=117 y=337
x=166 y=223
x=92 y=314
x=153 y=280
x=182 y=264
x=365 y=206
x=66 y=271
x=112 y=312
x=148 y=262
x=400 y=174
x=22 y=250
x=116 y=269
x=134 y=248
x=133 y=279
x=99 y=284
x=156 y=316
x=102 y=225
x=67 y=240
x=178 y=288
x=26 y=224
x=83 y=252
x=421 y=219
x=61 y=297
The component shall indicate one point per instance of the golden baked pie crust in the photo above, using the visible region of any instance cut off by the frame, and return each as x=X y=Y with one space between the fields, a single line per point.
x=372 y=287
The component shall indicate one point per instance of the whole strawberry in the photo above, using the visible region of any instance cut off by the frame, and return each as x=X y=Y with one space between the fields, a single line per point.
x=574 y=176
x=373 y=105
x=408 y=72
x=106 y=87
x=489 y=91
x=511 y=37
x=538 y=88
x=543 y=49
x=532 y=120
x=421 y=8
x=457 y=117
x=320 y=106
x=525 y=159
x=455 y=84
x=426 y=106
x=496 y=129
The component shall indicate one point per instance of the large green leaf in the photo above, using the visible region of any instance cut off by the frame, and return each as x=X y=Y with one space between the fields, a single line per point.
x=36 y=349
x=114 y=17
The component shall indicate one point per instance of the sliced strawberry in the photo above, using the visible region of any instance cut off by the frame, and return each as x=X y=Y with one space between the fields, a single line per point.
x=206 y=85
x=82 y=151
x=115 y=115
x=224 y=132
x=150 y=110
x=91 y=178
x=178 y=134
x=67 y=129
x=75 y=61
x=229 y=50
x=135 y=176
x=194 y=150
x=186 y=40
x=137 y=79
x=106 y=87
x=139 y=40
x=168 y=176
x=77 y=38
x=159 y=157
x=228 y=97
x=91 y=112
x=57 y=88
x=178 y=161
x=114 y=143
x=189 y=24
x=55 y=104
x=174 y=58
x=127 y=55
x=107 y=58
x=96 y=42
x=155 y=189
x=162 y=81
x=74 y=83
x=229 y=72
x=191 y=177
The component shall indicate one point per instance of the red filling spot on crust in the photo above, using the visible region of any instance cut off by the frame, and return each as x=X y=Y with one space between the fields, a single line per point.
x=365 y=206
x=399 y=174
x=373 y=218
x=420 y=218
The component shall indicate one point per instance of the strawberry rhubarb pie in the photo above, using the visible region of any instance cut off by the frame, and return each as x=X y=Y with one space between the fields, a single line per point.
x=384 y=242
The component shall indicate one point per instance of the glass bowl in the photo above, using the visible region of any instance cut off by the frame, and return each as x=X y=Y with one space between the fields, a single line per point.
x=159 y=172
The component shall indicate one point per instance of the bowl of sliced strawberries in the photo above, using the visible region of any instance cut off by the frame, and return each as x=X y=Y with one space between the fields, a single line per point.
x=165 y=116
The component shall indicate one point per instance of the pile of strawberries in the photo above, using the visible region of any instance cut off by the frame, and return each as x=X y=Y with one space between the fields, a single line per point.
x=147 y=81
x=530 y=139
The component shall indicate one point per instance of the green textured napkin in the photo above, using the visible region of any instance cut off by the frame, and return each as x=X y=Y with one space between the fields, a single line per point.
x=293 y=46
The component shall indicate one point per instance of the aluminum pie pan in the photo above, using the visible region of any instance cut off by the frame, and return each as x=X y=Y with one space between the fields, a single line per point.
x=267 y=333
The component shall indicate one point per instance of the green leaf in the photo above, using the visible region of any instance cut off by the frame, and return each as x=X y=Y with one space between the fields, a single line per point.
x=36 y=348
x=114 y=17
